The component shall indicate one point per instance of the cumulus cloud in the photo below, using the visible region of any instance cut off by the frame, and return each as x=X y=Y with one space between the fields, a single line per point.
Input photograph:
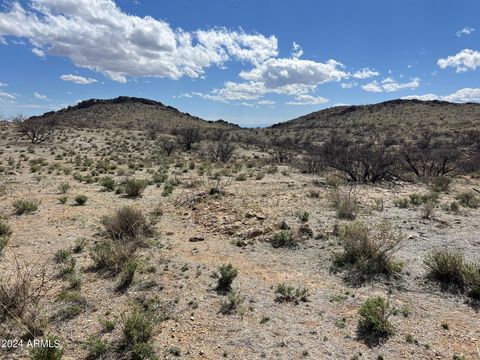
x=308 y=100
x=78 y=79
x=98 y=35
x=390 y=85
x=463 y=61
x=465 y=31
x=460 y=96
x=297 y=50
x=464 y=95
x=40 y=96
x=426 y=97
x=3 y=84
x=365 y=73
x=348 y=85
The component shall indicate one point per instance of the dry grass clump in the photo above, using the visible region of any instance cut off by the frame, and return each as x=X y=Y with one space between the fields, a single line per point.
x=345 y=204
x=127 y=224
x=369 y=251
x=25 y=206
x=454 y=272
x=5 y=232
x=291 y=294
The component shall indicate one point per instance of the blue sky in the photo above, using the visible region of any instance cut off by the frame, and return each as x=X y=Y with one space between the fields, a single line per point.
x=249 y=62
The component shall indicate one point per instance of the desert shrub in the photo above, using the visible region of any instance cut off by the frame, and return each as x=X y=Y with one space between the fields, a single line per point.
x=428 y=209
x=345 y=204
x=288 y=293
x=74 y=305
x=374 y=323
x=226 y=274
x=128 y=273
x=110 y=256
x=369 y=251
x=447 y=267
x=128 y=224
x=241 y=177
x=402 y=203
x=359 y=162
x=62 y=255
x=5 y=229
x=440 y=183
x=231 y=304
x=81 y=200
x=134 y=187
x=22 y=292
x=284 y=239
x=167 y=189
x=108 y=183
x=64 y=187
x=137 y=328
x=63 y=199
x=25 y=206
x=49 y=351
x=96 y=347
x=469 y=199
x=303 y=216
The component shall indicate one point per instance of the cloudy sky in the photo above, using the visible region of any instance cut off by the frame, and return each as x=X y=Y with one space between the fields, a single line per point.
x=247 y=61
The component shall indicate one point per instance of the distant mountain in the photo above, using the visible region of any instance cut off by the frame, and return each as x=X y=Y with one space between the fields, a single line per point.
x=128 y=113
x=390 y=116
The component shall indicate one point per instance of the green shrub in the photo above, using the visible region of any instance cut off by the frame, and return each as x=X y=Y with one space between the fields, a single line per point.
x=5 y=229
x=96 y=347
x=303 y=216
x=63 y=199
x=369 y=250
x=81 y=200
x=374 y=323
x=288 y=293
x=440 y=183
x=64 y=187
x=469 y=199
x=128 y=273
x=446 y=267
x=50 y=350
x=110 y=256
x=25 y=206
x=231 y=303
x=284 y=239
x=134 y=187
x=137 y=327
x=108 y=183
x=167 y=189
x=227 y=273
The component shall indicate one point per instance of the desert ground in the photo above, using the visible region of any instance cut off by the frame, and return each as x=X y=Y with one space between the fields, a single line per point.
x=275 y=224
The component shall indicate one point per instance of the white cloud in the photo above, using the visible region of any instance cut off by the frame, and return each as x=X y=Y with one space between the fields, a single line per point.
x=7 y=96
x=38 y=52
x=426 y=97
x=294 y=76
x=237 y=91
x=460 y=96
x=390 y=85
x=365 y=73
x=297 y=50
x=349 y=85
x=84 y=31
x=465 y=31
x=266 y=102
x=372 y=87
x=308 y=100
x=40 y=96
x=78 y=79
x=464 y=95
x=3 y=84
x=463 y=61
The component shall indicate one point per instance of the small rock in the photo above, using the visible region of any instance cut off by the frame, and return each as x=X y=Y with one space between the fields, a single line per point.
x=284 y=225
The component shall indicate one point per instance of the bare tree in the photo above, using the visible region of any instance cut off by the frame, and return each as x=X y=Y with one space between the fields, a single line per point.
x=221 y=150
x=168 y=146
x=37 y=130
x=188 y=136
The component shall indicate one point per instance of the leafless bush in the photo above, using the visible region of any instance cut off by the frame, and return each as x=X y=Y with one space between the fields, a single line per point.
x=221 y=150
x=37 y=130
x=23 y=291
x=188 y=136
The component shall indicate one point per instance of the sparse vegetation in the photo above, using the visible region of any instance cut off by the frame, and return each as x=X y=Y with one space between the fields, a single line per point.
x=374 y=324
x=226 y=275
x=286 y=293
x=26 y=206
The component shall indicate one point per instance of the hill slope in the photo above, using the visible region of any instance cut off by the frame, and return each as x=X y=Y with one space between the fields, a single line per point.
x=128 y=113
x=409 y=114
